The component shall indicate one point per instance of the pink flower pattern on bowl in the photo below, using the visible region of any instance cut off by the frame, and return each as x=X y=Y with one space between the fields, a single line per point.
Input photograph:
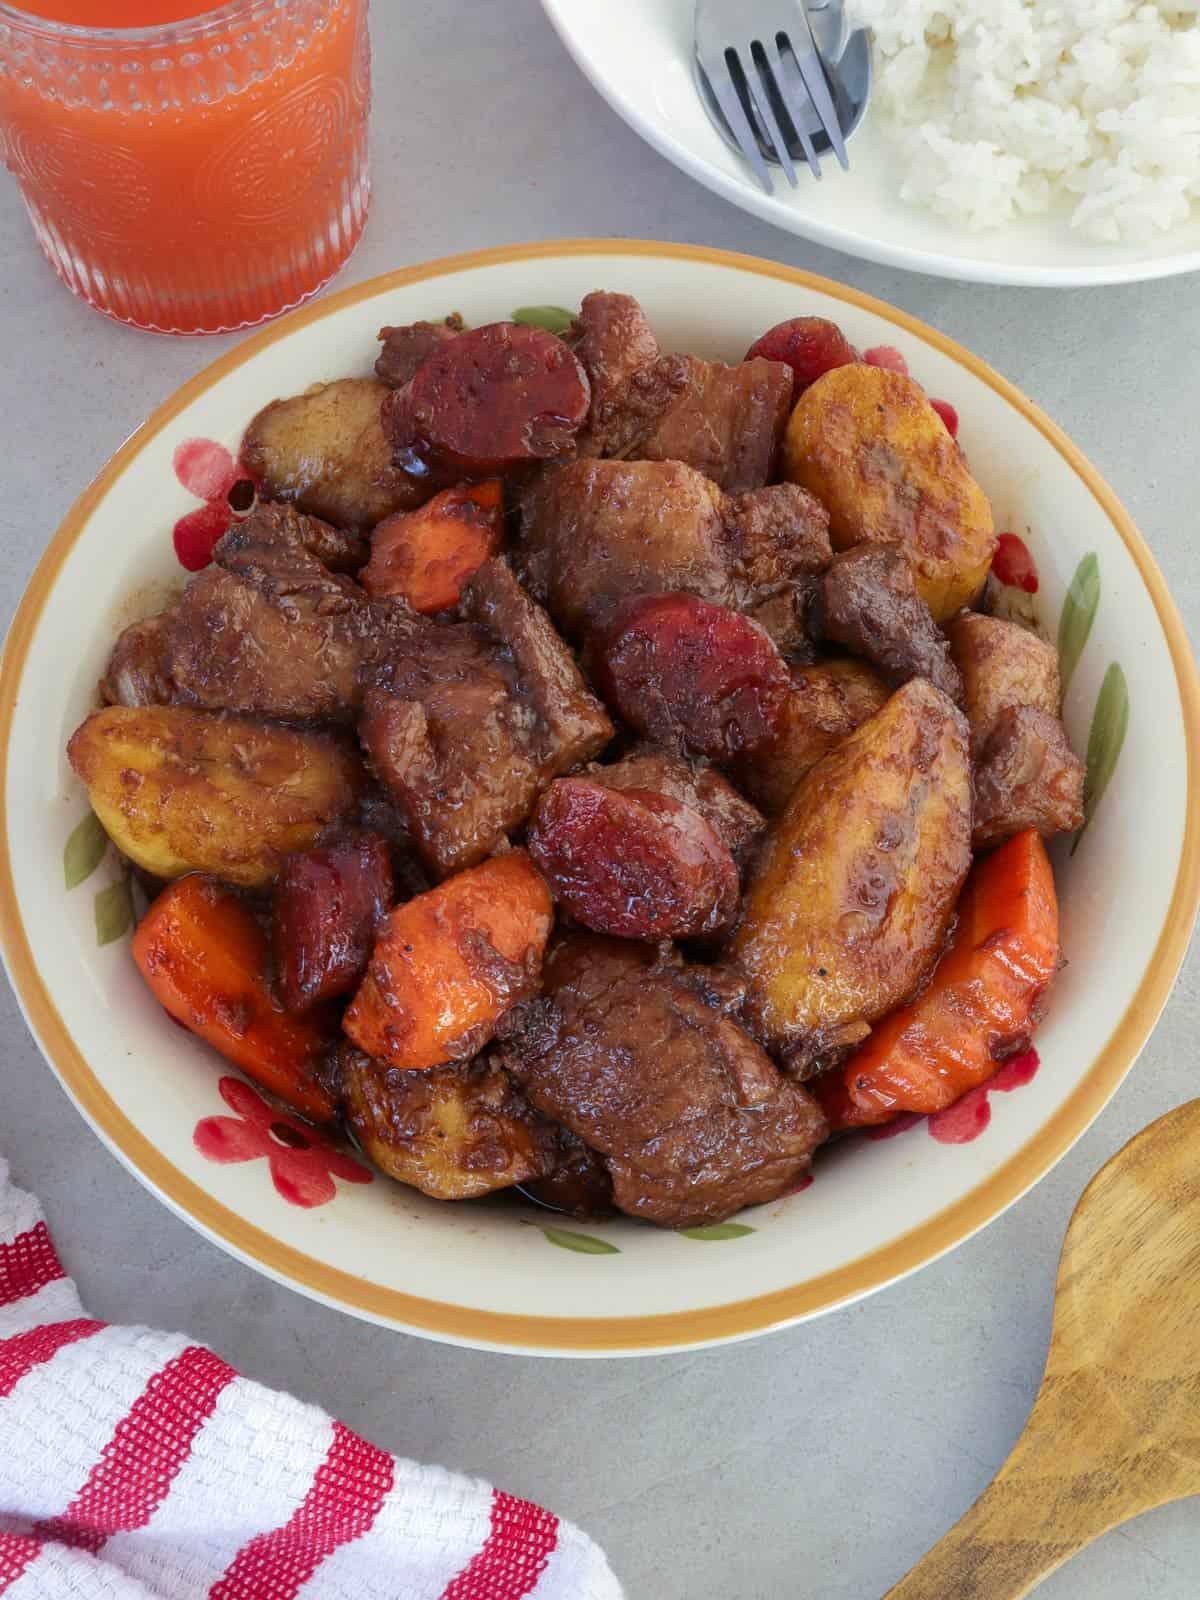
x=207 y=470
x=302 y=1165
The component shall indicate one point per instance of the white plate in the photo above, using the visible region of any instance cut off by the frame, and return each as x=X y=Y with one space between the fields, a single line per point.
x=490 y=1275
x=638 y=54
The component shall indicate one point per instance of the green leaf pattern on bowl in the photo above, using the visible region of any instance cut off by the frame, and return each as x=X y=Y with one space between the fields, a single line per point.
x=113 y=911
x=1078 y=614
x=112 y=907
x=1106 y=738
x=585 y=1244
x=84 y=850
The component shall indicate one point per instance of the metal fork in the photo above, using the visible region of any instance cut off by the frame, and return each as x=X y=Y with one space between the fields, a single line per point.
x=762 y=64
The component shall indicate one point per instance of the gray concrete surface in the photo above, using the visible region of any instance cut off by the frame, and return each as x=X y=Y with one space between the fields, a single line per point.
x=819 y=1462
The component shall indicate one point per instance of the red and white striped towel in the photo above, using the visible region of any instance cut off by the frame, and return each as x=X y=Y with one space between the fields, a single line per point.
x=137 y=1466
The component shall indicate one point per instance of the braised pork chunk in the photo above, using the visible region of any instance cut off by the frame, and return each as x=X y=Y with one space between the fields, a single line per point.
x=271 y=628
x=632 y=383
x=139 y=669
x=1027 y=776
x=404 y=348
x=467 y=722
x=727 y=422
x=597 y=532
x=867 y=600
x=691 y=1117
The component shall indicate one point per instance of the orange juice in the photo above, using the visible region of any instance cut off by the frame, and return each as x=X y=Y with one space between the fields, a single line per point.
x=189 y=170
x=115 y=13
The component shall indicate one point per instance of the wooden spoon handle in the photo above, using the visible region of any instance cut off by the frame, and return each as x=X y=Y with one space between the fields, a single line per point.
x=1113 y=1430
x=1020 y=1529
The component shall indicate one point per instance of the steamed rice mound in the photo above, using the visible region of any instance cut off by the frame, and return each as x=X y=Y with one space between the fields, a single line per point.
x=1000 y=109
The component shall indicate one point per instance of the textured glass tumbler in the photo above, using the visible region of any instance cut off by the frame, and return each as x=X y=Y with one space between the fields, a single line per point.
x=195 y=177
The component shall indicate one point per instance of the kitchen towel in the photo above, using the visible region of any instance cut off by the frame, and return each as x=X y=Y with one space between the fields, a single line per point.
x=138 y=1466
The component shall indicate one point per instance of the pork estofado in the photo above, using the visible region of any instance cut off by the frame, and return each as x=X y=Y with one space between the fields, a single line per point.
x=595 y=770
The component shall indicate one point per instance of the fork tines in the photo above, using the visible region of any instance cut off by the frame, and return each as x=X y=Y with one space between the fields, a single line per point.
x=764 y=86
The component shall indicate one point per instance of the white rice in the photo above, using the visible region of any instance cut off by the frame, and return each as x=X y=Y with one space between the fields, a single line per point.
x=998 y=109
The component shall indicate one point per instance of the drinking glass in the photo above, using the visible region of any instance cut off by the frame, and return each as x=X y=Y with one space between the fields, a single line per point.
x=189 y=173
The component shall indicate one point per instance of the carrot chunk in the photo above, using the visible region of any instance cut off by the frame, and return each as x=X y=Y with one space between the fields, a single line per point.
x=448 y=965
x=205 y=958
x=982 y=1004
x=428 y=556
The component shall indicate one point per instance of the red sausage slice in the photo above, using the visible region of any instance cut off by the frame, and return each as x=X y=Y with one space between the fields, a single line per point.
x=328 y=902
x=811 y=346
x=632 y=862
x=486 y=402
x=679 y=668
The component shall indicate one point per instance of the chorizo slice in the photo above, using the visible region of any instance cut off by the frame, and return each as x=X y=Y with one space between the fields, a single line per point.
x=681 y=670
x=633 y=862
x=328 y=903
x=730 y=815
x=811 y=346
x=486 y=402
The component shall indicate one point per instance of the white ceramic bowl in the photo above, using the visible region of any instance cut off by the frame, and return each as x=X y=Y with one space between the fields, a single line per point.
x=492 y=1275
x=638 y=54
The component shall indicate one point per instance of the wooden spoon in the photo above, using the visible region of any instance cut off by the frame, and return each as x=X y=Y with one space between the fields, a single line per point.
x=1115 y=1428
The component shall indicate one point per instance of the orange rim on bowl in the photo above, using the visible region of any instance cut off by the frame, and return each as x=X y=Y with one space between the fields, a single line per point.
x=601 y=1334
